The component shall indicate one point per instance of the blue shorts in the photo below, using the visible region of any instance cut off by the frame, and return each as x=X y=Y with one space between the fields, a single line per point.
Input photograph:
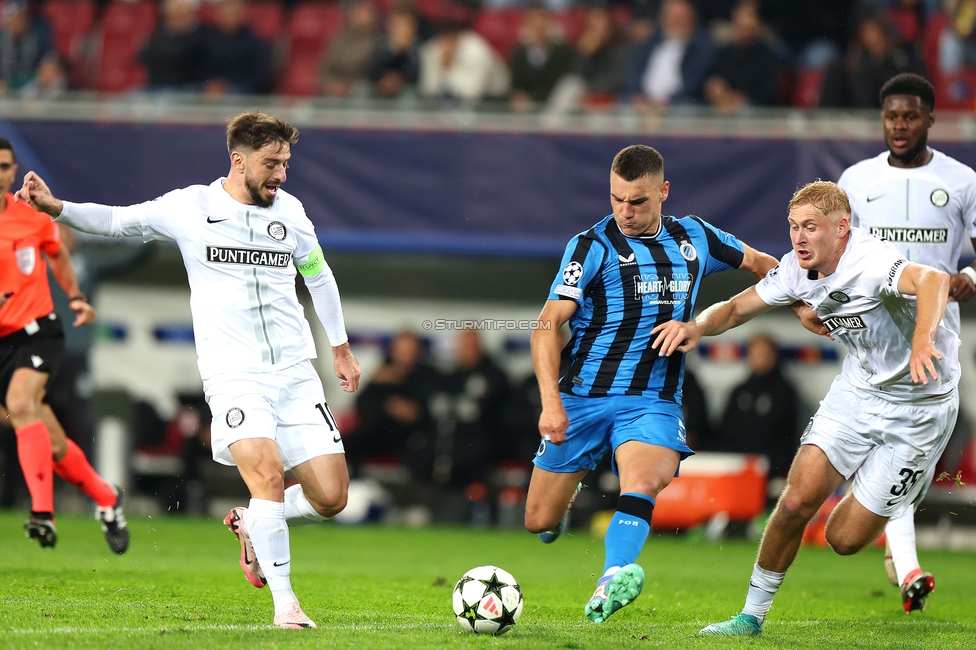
x=599 y=424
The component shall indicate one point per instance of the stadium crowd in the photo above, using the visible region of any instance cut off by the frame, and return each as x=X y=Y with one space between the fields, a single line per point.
x=556 y=55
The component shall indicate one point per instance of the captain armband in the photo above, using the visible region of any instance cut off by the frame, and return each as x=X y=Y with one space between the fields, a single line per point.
x=314 y=264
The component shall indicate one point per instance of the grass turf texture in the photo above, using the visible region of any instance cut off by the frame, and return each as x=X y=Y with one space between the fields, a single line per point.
x=180 y=586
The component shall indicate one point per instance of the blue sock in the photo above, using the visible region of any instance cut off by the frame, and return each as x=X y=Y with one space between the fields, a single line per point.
x=628 y=529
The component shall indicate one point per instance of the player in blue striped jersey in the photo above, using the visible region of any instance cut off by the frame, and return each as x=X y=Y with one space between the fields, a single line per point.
x=627 y=274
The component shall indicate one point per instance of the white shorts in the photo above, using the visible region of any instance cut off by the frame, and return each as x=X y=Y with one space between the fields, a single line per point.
x=285 y=405
x=890 y=448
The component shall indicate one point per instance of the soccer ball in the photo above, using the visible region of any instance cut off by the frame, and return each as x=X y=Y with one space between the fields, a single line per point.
x=487 y=600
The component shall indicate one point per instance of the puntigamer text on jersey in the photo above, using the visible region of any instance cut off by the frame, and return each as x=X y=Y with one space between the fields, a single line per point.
x=248 y=256
x=912 y=235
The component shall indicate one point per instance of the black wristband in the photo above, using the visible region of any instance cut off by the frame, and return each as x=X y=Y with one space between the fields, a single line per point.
x=82 y=297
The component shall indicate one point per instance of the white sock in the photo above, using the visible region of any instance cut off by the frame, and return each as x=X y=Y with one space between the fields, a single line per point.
x=762 y=587
x=298 y=507
x=900 y=532
x=265 y=521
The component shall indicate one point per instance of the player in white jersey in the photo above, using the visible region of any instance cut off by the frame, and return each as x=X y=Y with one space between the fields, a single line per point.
x=887 y=416
x=243 y=241
x=923 y=202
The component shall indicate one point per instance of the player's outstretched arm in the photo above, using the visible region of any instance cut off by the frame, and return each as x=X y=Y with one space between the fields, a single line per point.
x=756 y=262
x=64 y=273
x=931 y=288
x=546 y=348
x=38 y=195
x=720 y=317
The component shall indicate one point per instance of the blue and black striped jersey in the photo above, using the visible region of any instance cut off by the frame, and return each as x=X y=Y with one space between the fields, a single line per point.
x=626 y=286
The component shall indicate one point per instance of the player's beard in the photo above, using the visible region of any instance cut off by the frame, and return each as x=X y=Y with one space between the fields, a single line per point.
x=911 y=154
x=254 y=191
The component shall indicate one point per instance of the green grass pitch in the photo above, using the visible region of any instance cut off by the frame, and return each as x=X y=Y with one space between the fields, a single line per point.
x=180 y=586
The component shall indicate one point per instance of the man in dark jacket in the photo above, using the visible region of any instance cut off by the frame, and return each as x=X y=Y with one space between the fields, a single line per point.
x=670 y=66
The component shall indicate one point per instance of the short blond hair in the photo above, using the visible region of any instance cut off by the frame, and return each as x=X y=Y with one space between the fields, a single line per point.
x=825 y=197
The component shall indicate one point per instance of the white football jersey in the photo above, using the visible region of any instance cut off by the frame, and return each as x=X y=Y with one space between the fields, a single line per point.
x=860 y=304
x=926 y=212
x=240 y=261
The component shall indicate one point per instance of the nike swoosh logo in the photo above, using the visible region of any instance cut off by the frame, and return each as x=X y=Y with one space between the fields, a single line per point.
x=874 y=198
x=209 y=220
x=892 y=502
x=336 y=439
x=282 y=564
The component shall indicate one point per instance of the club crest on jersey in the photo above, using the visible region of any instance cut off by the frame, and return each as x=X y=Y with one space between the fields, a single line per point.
x=277 y=231
x=542 y=448
x=688 y=251
x=835 y=323
x=235 y=417
x=26 y=259
x=839 y=296
x=663 y=290
x=939 y=198
x=572 y=273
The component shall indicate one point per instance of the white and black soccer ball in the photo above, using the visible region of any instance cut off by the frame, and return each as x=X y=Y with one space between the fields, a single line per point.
x=487 y=600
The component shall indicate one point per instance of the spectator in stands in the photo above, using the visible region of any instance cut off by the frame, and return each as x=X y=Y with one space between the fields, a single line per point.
x=670 y=67
x=237 y=61
x=176 y=52
x=24 y=45
x=745 y=72
x=469 y=441
x=50 y=82
x=459 y=64
x=393 y=409
x=352 y=50
x=872 y=59
x=396 y=64
x=761 y=416
x=812 y=30
x=599 y=68
x=539 y=61
x=957 y=42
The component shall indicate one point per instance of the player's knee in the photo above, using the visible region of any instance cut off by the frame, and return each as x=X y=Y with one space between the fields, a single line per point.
x=843 y=546
x=329 y=505
x=23 y=408
x=271 y=478
x=794 y=504
x=539 y=521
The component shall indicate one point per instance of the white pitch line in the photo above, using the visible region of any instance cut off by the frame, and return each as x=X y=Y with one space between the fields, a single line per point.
x=436 y=626
x=214 y=628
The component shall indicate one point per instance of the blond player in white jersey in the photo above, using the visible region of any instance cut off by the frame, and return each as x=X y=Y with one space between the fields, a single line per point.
x=923 y=202
x=243 y=241
x=887 y=416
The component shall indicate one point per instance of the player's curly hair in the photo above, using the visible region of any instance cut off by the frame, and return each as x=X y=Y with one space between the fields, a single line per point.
x=252 y=130
x=637 y=161
x=826 y=197
x=909 y=83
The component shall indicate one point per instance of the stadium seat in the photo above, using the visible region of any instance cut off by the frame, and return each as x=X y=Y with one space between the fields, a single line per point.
x=572 y=21
x=70 y=22
x=808 y=84
x=500 y=27
x=124 y=29
x=266 y=19
x=310 y=29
